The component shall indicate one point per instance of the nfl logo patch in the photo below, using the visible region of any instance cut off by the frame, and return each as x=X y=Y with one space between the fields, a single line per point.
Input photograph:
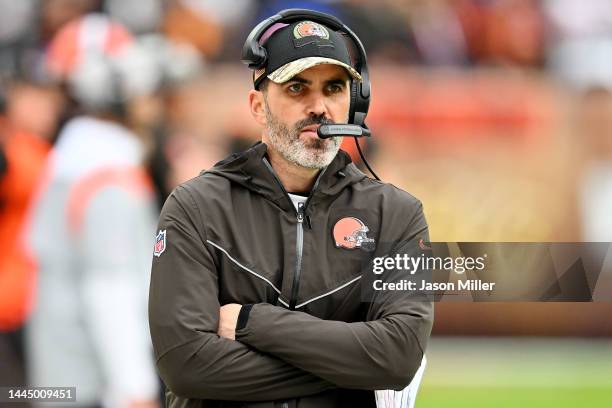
x=160 y=243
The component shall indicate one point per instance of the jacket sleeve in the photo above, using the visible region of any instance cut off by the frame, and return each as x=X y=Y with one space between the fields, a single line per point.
x=193 y=361
x=382 y=352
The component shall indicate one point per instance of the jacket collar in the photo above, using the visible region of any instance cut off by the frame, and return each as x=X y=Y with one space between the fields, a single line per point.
x=250 y=170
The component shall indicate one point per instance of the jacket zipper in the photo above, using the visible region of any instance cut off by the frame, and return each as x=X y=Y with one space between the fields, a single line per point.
x=299 y=247
x=299 y=244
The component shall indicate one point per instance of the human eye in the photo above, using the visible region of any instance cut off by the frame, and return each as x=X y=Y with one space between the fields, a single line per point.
x=295 y=88
x=335 y=88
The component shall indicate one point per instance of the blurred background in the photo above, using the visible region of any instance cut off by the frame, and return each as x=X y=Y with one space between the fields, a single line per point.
x=497 y=114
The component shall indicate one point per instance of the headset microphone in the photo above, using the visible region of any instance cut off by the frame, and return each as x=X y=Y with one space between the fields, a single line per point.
x=327 y=131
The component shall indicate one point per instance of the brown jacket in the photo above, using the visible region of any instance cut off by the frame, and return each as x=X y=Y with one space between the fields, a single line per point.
x=308 y=337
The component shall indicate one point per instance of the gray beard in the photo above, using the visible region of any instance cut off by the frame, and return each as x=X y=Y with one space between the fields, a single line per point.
x=311 y=154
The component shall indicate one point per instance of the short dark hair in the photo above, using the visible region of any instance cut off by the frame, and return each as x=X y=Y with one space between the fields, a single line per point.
x=263 y=85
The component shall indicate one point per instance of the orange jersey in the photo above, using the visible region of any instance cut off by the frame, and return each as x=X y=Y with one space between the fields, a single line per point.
x=25 y=155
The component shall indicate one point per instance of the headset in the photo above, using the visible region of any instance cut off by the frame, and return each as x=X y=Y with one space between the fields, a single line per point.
x=255 y=56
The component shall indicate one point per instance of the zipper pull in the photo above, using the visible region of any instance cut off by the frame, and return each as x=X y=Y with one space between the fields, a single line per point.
x=300 y=213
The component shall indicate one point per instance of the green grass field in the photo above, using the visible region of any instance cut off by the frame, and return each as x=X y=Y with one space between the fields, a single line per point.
x=511 y=397
x=507 y=372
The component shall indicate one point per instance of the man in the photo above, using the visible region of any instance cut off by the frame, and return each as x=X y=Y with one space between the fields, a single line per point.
x=89 y=232
x=256 y=289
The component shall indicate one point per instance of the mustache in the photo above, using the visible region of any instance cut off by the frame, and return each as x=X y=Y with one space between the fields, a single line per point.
x=312 y=120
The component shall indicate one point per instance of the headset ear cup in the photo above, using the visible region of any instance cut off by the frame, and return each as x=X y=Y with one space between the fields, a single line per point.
x=259 y=58
x=361 y=104
x=254 y=55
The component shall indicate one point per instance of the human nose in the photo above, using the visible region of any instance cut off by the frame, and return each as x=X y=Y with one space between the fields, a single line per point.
x=317 y=105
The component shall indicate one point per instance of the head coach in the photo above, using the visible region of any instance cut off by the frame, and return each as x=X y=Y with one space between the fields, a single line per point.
x=256 y=290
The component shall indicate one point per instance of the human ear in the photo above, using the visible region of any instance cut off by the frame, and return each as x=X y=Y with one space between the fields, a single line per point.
x=257 y=105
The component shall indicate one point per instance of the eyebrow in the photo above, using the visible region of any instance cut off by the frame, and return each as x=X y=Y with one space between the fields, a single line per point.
x=332 y=81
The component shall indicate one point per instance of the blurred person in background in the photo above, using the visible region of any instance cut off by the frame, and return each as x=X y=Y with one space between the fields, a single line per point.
x=207 y=25
x=437 y=32
x=580 y=55
x=595 y=193
x=510 y=33
x=15 y=282
x=24 y=144
x=54 y=14
x=91 y=228
x=138 y=16
x=149 y=113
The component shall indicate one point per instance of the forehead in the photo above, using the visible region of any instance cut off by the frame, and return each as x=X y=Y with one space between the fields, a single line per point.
x=323 y=73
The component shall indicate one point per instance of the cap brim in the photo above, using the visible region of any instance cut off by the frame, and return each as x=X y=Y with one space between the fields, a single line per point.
x=291 y=69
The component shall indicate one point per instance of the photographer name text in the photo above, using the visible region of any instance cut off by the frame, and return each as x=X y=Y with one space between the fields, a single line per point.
x=427 y=286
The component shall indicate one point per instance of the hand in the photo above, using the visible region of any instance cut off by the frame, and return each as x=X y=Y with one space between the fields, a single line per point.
x=228 y=318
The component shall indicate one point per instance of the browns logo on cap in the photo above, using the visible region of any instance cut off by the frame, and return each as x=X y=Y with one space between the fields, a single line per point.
x=309 y=29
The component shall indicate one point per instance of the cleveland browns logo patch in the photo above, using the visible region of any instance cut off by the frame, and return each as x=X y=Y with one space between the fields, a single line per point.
x=352 y=233
x=310 y=29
